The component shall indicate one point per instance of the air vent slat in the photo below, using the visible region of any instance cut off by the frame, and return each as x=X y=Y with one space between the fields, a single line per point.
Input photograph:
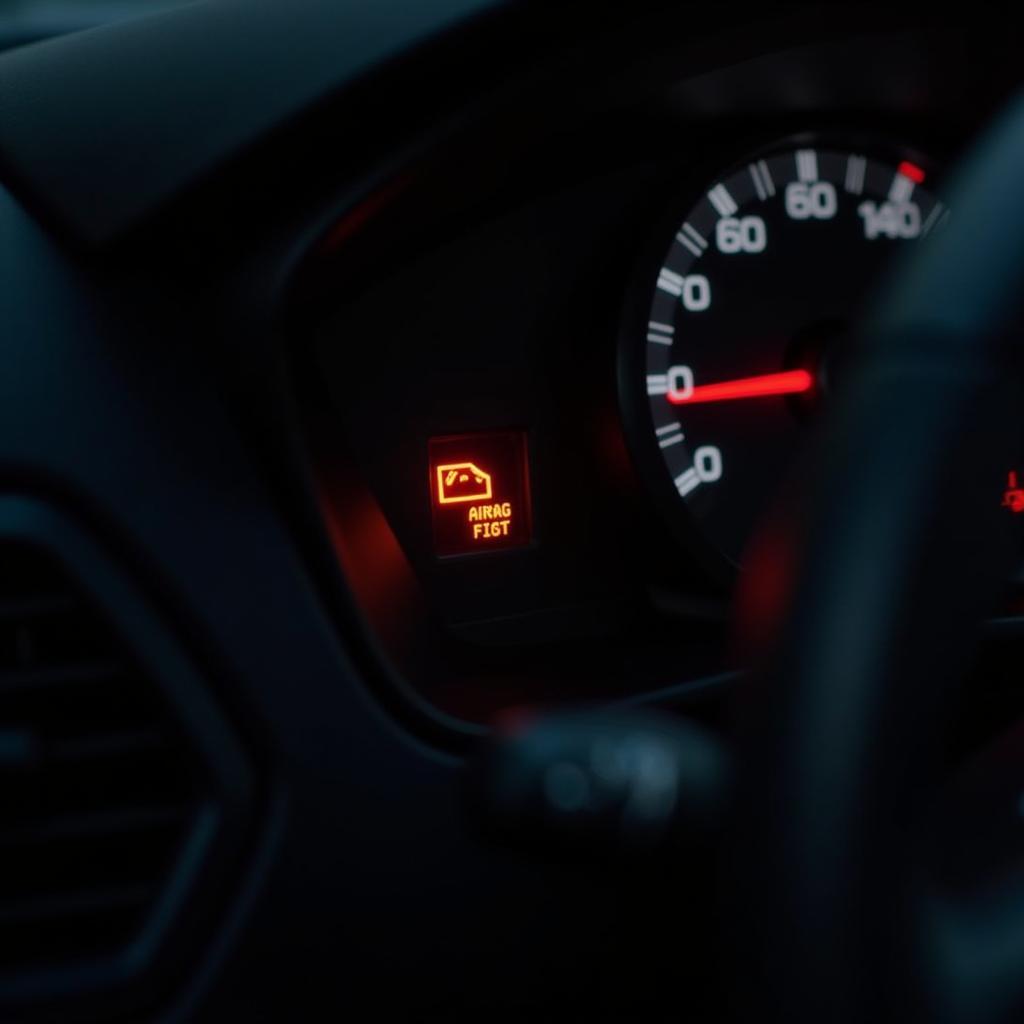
x=114 y=744
x=12 y=680
x=34 y=606
x=107 y=823
x=74 y=904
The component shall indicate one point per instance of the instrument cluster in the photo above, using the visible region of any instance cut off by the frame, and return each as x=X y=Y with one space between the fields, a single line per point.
x=554 y=370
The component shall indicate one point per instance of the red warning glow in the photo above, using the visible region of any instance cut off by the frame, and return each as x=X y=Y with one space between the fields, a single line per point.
x=1013 y=496
x=911 y=171
x=791 y=382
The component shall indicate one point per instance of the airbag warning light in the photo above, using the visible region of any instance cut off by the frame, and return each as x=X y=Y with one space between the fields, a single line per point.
x=480 y=493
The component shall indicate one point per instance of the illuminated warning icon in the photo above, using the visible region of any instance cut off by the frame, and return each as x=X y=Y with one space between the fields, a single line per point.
x=462 y=481
x=1013 y=496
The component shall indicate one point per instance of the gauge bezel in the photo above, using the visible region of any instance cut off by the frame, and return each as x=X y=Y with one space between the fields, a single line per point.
x=631 y=359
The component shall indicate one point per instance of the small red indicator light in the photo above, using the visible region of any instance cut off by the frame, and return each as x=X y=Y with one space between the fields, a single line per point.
x=1013 y=496
x=911 y=171
x=480 y=493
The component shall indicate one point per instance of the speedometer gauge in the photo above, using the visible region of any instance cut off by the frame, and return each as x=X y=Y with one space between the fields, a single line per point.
x=743 y=317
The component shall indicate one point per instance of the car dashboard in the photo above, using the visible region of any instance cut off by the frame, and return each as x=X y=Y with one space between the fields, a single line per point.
x=386 y=376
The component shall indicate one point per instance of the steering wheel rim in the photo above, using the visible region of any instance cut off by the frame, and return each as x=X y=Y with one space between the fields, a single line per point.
x=845 y=912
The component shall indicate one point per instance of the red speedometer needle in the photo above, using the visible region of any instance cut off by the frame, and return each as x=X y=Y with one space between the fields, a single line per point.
x=792 y=382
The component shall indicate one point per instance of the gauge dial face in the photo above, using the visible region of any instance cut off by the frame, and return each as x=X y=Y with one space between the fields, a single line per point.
x=748 y=314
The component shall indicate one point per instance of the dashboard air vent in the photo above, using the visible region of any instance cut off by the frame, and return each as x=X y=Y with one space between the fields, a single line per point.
x=125 y=798
x=99 y=790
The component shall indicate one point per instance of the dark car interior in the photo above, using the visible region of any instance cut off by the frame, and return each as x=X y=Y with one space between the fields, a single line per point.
x=511 y=510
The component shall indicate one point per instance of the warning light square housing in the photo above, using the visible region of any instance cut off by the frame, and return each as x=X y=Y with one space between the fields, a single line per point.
x=479 y=493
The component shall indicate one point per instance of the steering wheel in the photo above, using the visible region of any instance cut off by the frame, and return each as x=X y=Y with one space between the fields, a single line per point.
x=864 y=902
x=853 y=892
